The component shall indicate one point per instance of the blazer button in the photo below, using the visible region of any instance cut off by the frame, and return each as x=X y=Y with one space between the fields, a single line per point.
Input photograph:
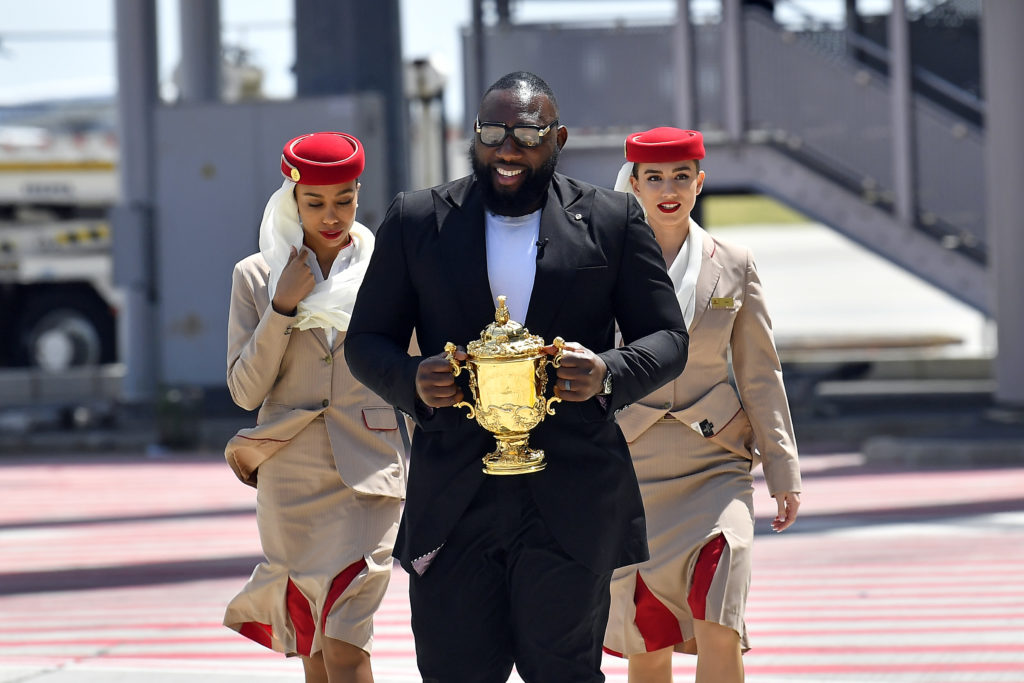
x=328 y=359
x=325 y=403
x=666 y=405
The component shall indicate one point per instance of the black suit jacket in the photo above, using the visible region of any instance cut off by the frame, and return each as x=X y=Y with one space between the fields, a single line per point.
x=600 y=264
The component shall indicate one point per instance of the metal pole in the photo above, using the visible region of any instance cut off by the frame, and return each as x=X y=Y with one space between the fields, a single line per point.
x=200 y=50
x=732 y=69
x=901 y=113
x=443 y=126
x=134 y=230
x=352 y=46
x=682 y=63
x=479 y=57
x=1002 y=55
x=852 y=28
x=504 y=12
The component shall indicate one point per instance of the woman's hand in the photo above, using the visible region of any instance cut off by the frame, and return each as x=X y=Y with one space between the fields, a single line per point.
x=296 y=283
x=789 y=504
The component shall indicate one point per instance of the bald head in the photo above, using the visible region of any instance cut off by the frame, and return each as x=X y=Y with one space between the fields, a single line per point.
x=526 y=85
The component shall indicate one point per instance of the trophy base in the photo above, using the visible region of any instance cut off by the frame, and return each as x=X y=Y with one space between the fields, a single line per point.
x=513 y=456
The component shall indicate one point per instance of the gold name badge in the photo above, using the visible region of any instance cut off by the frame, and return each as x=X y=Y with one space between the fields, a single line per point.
x=723 y=302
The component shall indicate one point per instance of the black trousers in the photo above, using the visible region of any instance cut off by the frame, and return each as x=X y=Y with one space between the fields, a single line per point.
x=501 y=592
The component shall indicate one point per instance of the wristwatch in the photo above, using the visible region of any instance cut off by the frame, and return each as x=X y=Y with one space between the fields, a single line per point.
x=606 y=385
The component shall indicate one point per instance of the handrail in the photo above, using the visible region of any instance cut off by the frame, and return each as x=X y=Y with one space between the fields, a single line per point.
x=929 y=78
x=873 y=49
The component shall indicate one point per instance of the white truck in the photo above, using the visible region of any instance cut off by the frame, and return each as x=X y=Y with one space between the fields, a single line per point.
x=58 y=178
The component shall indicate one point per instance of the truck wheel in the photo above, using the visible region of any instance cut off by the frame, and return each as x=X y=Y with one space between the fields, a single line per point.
x=64 y=331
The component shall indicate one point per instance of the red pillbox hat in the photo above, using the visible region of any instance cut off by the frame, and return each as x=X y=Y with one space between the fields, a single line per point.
x=326 y=158
x=660 y=145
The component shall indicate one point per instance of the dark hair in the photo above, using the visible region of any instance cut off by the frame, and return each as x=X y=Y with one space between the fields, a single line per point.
x=636 y=167
x=527 y=80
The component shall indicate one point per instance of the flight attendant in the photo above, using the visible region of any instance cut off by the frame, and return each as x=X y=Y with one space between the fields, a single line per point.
x=326 y=455
x=695 y=440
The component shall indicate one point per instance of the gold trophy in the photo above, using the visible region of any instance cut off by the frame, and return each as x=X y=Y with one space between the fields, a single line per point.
x=508 y=376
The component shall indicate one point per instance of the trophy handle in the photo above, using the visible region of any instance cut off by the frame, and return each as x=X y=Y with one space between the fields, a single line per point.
x=449 y=353
x=472 y=410
x=559 y=344
x=556 y=362
x=550 y=402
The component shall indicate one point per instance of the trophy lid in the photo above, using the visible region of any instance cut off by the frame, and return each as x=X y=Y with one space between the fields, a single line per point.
x=504 y=338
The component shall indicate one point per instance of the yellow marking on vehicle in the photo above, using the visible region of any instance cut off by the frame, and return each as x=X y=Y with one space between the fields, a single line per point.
x=50 y=166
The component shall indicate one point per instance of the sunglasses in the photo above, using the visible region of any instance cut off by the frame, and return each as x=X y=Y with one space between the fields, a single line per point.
x=494 y=134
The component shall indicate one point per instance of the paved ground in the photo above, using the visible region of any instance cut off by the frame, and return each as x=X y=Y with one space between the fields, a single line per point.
x=117 y=569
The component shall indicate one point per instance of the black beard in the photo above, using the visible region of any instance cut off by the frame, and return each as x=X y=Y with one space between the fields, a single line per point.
x=526 y=199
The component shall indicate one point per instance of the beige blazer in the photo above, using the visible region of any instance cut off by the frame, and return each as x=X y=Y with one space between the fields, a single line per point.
x=730 y=315
x=293 y=377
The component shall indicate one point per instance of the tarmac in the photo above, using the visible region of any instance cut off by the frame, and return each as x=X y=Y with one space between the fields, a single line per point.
x=116 y=567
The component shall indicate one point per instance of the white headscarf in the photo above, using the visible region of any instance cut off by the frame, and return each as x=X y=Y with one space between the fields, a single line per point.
x=622 y=183
x=686 y=266
x=330 y=303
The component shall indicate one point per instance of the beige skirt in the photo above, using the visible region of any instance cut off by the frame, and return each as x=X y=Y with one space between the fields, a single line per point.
x=693 y=493
x=327 y=549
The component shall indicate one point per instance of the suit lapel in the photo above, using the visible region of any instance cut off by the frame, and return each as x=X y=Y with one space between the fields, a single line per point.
x=562 y=231
x=321 y=336
x=707 y=280
x=460 y=222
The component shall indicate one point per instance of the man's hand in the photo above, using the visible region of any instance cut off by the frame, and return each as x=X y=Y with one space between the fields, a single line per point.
x=295 y=284
x=789 y=504
x=435 y=383
x=581 y=373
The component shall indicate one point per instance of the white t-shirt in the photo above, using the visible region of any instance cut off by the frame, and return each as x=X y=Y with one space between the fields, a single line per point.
x=342 y=261
x=512 y=260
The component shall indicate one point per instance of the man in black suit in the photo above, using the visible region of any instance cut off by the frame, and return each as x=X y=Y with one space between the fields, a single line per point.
x=515 y=569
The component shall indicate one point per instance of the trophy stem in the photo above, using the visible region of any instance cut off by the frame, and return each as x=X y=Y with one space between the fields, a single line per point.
x=514 y=456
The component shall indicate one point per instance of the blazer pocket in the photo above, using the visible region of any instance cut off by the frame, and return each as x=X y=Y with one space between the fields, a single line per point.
x=637 y=418
x=719 y=417
x=271 y=411
x=252 y=446
x=380 y=419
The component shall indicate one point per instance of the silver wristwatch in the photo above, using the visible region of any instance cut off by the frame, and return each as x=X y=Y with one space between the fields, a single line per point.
x=606 y=385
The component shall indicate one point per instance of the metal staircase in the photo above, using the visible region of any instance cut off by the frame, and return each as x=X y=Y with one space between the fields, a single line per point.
x=819 y=139
x=816 y=125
